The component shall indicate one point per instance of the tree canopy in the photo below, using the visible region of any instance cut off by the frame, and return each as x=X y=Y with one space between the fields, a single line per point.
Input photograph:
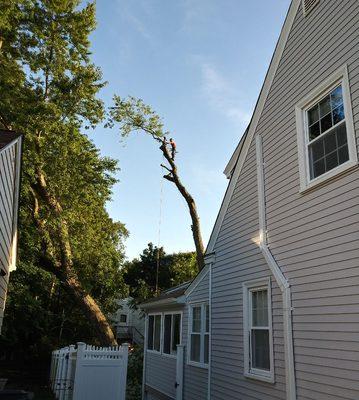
x=49 y=92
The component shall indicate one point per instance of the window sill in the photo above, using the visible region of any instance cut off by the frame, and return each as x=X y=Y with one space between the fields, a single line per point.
x=264 y=378
x=197 y=364
x=329 y=176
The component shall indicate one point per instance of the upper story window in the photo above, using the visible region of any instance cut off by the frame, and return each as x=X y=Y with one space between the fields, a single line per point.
x=258 y=342
x=164 y=332
x=198 y=352
x=326 y=141
x=123 y=318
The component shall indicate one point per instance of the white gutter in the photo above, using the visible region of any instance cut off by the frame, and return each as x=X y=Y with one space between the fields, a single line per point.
x=279 y=277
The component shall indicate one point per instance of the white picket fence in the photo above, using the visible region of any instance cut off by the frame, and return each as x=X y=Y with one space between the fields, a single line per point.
x=89 y=372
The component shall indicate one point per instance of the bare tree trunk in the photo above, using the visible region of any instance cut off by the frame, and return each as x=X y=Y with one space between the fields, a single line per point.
x=63 y=269
x=196 y=228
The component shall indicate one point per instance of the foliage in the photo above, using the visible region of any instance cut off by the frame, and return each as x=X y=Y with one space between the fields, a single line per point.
x=49 y=90
x=140 y=273
x=134 y=374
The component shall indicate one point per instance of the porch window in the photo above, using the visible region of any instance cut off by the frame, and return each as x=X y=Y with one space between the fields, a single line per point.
x=154 y=332
x=258 y=330
x=326 y=141
x=199 y=334
x=172 y=333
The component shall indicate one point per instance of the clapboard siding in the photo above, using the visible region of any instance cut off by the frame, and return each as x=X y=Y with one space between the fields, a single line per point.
x=314 y=237
x=238 y=260
x=195 y=378
x=7 y=193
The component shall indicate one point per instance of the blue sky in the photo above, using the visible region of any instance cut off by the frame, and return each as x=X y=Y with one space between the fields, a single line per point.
x=200 y=64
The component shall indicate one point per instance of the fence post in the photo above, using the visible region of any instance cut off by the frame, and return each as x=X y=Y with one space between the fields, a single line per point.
x=179 y=372
x=81 y=347
x=68 y=382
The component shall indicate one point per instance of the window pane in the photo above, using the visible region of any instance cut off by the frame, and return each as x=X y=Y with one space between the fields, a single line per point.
x=260 y=308
x=318 y=168
x=206 y=349
x=338 y=114
x=336 y=97
x=341 y=135
x=330 y=143
x=343 y=154
x=207 y=317
x=313 y=115
x=314 y=131
x=176 y=332
x=331 y=161
x=150 y=332
x=326 y=123
x=317 y=150
x=195 y=347
x=196 y=319
x=167 y=334
x=260 y=349
x=157 y=333
x=123 y=318
x=324 y=106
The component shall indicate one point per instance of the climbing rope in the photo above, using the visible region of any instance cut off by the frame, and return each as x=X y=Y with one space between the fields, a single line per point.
x=159 y=229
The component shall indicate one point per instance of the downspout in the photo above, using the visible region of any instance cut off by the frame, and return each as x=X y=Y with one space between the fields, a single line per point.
x=279 y=277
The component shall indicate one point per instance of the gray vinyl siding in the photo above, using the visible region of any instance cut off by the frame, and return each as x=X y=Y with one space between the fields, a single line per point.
x=7 y=185
x=195 y=378
x=238 y=260
x=161 y=373
x=313 y=236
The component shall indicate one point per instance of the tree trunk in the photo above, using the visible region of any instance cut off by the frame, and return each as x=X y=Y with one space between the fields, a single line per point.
x=63 y=269
x=196 y=228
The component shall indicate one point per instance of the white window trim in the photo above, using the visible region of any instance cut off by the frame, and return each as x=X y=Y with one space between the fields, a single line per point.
x=162 y=314
x=171 y=355
x=203 y=332
x=266 y=376
x=339 y=77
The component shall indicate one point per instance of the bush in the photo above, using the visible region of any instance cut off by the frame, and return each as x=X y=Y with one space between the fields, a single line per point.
x=134 y=374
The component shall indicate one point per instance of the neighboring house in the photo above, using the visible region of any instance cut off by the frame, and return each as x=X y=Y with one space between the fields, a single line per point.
x=10 y=161
x=129 y=322
x=283 y=257
x=178 y=316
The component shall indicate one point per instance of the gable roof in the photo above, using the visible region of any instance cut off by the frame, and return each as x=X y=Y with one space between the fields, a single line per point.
x=7 y=137
x=236 y=162
x=168 y=297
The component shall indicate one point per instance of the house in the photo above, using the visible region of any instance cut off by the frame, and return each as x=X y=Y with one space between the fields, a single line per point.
x=283 y=257
x=129 y=322
x=178 y=316
x=10 y=161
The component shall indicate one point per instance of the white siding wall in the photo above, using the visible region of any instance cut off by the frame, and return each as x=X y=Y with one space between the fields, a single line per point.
x=315 y=236
x=7 y=185
x=238 y=259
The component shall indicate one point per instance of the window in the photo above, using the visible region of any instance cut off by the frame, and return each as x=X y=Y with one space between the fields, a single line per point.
x=258 y=344
x=172 y=333
x=164 y=332
x=154 y=332
x=123 y=318
x=326 y=141
x=199 y=334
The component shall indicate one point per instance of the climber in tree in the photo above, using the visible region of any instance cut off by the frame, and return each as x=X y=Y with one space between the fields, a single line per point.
x=173 y=148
